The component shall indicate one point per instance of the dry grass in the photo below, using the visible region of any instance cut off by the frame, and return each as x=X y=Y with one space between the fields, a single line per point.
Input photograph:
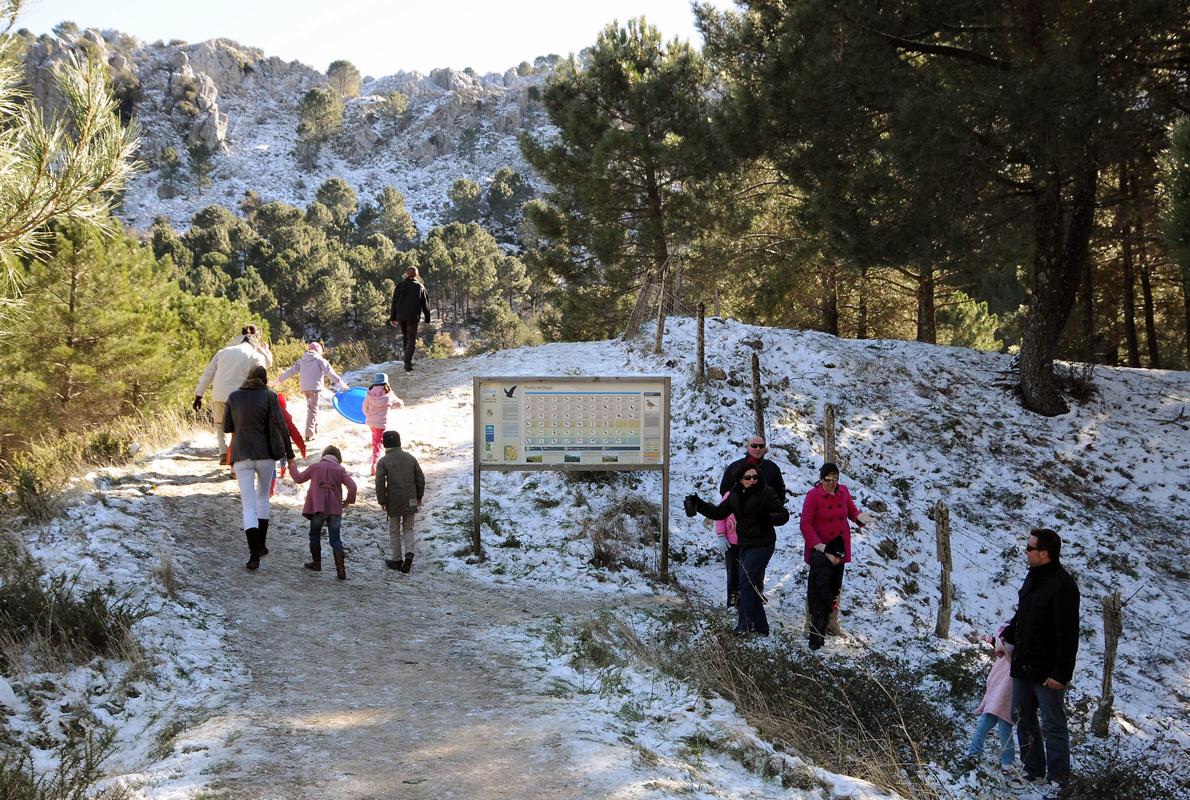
x=165 y=574
x=866 y=720
x=78 y=771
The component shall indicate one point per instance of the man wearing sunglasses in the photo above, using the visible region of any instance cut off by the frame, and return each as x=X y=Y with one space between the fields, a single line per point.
x=1044 y=633
x=754 y=453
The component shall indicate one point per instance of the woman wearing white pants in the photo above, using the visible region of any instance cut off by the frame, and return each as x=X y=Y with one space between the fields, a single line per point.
x=261 y=439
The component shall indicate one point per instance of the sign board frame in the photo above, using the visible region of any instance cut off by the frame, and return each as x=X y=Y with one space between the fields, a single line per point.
x=663 y=383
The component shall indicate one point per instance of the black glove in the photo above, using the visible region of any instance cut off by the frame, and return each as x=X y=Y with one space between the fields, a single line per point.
x=197 y=405
x=690 y=505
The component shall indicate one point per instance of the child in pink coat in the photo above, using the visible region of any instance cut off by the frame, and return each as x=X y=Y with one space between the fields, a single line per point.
x=325 y=504
x=730 y=545
x=377 y=402
x=996 y=708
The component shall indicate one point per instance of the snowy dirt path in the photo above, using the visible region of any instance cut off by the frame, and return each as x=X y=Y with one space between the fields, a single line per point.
x=383 y=685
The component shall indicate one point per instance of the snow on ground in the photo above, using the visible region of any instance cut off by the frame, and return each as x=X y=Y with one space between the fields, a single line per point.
x=917 y=424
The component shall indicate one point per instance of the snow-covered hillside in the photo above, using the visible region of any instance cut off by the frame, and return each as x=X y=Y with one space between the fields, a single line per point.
x=243 y=105
x=916 y=424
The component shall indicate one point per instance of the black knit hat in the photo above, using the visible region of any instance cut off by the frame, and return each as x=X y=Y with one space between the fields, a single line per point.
x=836 y=547
x=828 y=468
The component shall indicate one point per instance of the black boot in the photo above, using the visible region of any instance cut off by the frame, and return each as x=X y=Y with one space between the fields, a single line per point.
x=253 y=536
x=393 y=563
x=407 y=564
x=315 y=563
x=262 y=525
x=340 y=567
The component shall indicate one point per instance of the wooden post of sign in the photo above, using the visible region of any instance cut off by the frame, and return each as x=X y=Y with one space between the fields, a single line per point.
x=946 y=598
x=657 y=341
x=700 y=368
x=1113 y=627
x=757 y=399
x=828 y=434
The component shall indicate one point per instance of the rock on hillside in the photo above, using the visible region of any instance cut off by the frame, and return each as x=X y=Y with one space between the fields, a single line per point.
x=242 y=106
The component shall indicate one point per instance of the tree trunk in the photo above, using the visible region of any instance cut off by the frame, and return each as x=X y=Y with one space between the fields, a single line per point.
x=927 y=330
x=1058 y=263
x=1124 y=218
x=1088 y=298
x=660 y=245
x=1146 y=287
x=861 y=325
x=1186 y=309
x=830 y=301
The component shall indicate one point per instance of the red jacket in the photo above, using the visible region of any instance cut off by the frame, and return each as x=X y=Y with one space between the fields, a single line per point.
x=327 y=479
x=824 y=516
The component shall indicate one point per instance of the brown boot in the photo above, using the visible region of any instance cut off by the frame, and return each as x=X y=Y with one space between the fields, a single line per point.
x=315 y=562
x=832 y=626
x=340 y=568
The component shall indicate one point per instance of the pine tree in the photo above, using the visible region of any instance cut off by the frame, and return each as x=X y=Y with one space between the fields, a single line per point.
x=64 y=168
x=631 y=124
x=344 y=78
x=1175 y=220
x=321 y=114
x=880 y=113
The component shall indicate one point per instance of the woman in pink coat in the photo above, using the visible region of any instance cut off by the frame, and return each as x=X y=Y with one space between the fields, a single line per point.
x=825 y=514
x=325 y=504
x=377 y=402
x=996 y=708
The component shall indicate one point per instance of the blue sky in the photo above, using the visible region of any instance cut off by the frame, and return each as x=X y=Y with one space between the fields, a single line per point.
x=378 y=36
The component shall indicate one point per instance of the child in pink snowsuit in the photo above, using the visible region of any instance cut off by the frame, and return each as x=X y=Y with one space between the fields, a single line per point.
x=377 y=402
x=996 y=708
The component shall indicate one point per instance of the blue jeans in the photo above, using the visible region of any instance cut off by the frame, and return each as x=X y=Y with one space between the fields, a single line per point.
x=1045 y=748
x=753 y=562
x=1003 y=730
x=333 y=521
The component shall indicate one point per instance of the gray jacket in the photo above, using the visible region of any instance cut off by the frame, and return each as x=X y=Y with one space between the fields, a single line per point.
x=400 y=483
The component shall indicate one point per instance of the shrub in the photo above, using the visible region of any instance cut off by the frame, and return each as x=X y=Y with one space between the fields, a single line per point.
x=51 y=615
x=108 y=448
x=870 y=719
x=35 y=479
x=443 y=346
x=74 y=779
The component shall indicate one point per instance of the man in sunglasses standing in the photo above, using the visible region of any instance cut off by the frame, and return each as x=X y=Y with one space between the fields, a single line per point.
x=1044 y=633
x=754 y=454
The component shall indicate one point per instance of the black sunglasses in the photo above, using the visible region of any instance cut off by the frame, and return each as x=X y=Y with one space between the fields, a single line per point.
x=750 y=478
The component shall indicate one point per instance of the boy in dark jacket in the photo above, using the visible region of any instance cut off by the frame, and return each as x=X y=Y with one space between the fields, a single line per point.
x=823 y=587
x=400 y=485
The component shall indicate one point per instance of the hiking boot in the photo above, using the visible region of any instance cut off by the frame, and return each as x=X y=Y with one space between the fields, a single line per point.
x=832 y=625
x=340 y=567
x=407 y=564
x=394 y=563
x=409 y=366
x=315 y=562
x=262 y=525
x=252 y=535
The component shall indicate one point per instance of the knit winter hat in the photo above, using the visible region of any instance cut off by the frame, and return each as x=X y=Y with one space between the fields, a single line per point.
x=315 y=346
x=381 y=379
x=829 y=468
x=836 y=547
x=392 y=439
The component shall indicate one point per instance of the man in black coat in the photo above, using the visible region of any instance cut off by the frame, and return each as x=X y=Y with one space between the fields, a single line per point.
x=410 y=301
x=1044 y=633
x=770 y=473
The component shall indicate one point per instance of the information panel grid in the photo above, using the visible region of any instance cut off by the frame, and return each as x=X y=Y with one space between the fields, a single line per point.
x=616 y=422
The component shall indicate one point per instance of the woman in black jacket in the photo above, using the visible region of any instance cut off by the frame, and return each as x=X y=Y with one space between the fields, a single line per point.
x=261 y=439
x=757 y=510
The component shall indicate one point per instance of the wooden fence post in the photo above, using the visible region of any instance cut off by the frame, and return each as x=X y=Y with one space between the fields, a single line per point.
x=828 y=434
x=700 y=368
x=1113 y=627
x=657 y=348
x=637 y=317
x=945 y=600
x=757 y=399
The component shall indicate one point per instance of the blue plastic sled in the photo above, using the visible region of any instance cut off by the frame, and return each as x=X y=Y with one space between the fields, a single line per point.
x=351 y=403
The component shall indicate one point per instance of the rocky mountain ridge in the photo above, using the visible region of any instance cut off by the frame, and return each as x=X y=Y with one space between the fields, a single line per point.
x=241 y=107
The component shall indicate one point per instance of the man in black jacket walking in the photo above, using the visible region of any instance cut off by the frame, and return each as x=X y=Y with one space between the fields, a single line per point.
x=1044 y=633
x=409 y=302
